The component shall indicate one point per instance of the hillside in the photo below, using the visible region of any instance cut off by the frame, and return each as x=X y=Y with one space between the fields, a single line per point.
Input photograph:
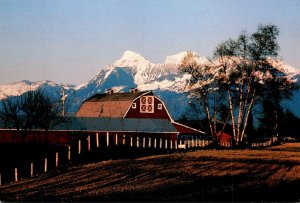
x=272 y=174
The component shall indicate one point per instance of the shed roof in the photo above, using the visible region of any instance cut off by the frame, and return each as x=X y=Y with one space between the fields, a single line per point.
x=117 y=125
x=108 y=105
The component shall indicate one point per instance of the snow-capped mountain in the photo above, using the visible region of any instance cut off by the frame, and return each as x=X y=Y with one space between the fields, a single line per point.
x=166 y=80
x=19 y=88
x=133 y=70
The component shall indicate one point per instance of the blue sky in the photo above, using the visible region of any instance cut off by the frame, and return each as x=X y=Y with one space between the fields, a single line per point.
x=70 y=41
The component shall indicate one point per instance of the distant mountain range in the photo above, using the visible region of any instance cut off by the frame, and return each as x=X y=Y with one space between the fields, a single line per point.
x=133 y=70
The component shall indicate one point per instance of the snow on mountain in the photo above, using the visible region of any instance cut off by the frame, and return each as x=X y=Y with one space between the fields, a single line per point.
x=283 y=67
x=177 y=58
x=133 y=70
x=143 y=70
x=132 y=59
x=19 y=88
x=166 y=80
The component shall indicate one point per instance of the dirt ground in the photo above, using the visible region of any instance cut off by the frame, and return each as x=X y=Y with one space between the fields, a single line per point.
x=271 y=174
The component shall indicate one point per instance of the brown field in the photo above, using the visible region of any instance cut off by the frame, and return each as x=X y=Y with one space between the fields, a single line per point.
x=271 y=174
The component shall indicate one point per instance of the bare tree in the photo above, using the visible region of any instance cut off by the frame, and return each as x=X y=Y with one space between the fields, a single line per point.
x=32 y=110
x=49 y=112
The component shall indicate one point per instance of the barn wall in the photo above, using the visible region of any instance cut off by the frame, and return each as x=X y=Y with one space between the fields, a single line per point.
x=62 y=138
x=9 y=136
x=158 y=113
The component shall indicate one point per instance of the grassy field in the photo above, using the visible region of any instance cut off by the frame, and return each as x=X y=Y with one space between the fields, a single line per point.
x=271 y=174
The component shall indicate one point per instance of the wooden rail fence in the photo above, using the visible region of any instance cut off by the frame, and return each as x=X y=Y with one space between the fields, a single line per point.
x=91 y=144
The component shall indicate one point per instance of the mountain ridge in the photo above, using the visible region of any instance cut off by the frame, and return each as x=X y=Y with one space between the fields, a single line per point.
x=134 y=70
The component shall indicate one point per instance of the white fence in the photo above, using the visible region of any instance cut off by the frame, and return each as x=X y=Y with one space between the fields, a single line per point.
x=265 y=143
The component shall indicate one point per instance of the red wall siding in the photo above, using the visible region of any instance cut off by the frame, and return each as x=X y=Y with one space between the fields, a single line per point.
x=35 y=137
x=158 y=113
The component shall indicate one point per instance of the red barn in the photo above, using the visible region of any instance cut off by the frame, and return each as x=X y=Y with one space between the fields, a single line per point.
x=133 y=104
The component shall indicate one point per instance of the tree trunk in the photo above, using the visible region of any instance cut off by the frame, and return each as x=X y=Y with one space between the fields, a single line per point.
x=246 y=119
x=232 y=115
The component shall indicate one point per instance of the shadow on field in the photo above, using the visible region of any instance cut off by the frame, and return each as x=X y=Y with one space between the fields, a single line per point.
x=180 y=176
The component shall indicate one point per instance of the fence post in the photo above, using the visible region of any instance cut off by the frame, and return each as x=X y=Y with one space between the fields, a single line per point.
x=56 y=159
x=160 y=143
x=154 y=143
x=107 y=139
x=171 y=144
x=144 y=142
x=69 y=152
x=16 y=174
x=193 y=144
x=124 y=140
x=116 y=139
x=131 y=141
x=149 y=142
x=137 y=142
x=175 y=144
x=79 y=146
x=97 y=140
x=45 y=165
x=89 y=142
x=166 y=144
x=31 y=169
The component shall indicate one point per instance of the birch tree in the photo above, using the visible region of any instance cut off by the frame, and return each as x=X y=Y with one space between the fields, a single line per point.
x=242 y=70
x=251 y=74
x=206 y=89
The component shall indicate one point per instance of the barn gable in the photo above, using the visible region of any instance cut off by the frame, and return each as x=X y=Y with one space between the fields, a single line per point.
x=148 y=106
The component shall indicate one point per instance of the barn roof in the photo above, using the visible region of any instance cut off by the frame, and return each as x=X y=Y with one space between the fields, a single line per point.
x=117 y=125
x=122 y=96
x=113 y=105
x=184 y=129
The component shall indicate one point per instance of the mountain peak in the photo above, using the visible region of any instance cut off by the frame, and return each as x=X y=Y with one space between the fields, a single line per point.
x=131 y=58
x=129 y=55
x=177 y=58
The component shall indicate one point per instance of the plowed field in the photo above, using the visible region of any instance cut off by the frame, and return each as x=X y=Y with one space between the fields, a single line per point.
x=271 y=174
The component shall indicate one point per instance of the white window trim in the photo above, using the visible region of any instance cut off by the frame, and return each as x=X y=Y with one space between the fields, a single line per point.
x=133 y=105
x=147 y=104
x=159 y=106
